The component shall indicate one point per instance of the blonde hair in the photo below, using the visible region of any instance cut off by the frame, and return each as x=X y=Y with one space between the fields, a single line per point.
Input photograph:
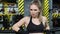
x=38 y=3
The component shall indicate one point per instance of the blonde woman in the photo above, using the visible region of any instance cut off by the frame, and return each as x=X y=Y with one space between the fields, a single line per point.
x=35 y=23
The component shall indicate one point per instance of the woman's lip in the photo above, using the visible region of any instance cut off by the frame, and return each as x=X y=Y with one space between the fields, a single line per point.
x=32 y=14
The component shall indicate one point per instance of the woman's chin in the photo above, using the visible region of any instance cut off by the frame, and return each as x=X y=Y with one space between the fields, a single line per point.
x=34 y=16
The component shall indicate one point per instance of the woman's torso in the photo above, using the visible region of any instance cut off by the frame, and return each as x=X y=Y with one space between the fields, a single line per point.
x=31 y=26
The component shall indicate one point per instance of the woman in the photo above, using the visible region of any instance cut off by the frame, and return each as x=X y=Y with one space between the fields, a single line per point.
x=35 y=23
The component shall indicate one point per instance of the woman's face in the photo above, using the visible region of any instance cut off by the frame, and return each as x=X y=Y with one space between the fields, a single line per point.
x=34 y=10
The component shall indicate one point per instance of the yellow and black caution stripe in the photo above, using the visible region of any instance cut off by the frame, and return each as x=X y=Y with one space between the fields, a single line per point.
x=21 y=6
x=54 y=15
x=46 y=8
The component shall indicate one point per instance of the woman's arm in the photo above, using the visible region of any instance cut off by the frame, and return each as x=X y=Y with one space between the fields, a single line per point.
x=47 y=26
x=45 y=23
x=16 y=26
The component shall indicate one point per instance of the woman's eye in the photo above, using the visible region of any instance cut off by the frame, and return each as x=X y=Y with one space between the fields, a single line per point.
x=31 y=9
x=35 y=9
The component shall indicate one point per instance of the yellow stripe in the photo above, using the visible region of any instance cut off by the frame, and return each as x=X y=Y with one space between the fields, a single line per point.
x=21 y=6
x=46 y=8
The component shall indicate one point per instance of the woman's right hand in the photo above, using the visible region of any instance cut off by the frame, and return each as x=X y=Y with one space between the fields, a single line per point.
x=15 y=28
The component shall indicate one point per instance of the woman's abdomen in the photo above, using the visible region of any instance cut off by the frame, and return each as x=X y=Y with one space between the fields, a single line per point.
x=36 y=33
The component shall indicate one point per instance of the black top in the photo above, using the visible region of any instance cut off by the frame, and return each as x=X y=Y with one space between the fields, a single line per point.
x=32 y=28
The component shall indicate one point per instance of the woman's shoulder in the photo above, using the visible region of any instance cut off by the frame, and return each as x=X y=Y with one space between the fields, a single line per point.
x=44 y=18
x=26 y=18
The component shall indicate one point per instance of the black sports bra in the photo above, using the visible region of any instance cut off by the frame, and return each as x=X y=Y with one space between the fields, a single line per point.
x=32 y=28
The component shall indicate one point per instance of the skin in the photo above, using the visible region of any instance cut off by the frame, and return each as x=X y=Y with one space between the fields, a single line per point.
x=34 y=11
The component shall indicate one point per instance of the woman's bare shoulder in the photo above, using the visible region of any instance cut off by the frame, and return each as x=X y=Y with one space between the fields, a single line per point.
x=44 y=17
x=26 y=18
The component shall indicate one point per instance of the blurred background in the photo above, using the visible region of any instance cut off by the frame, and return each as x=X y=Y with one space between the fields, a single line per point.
x=11 y=11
